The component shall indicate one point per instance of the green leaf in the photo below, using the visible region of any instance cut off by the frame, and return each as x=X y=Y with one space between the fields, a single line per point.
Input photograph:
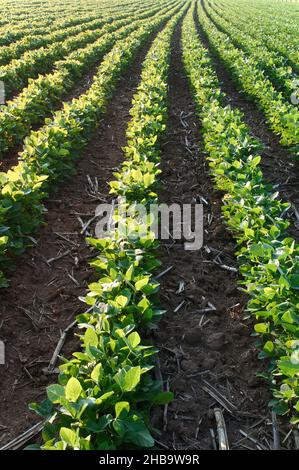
x=268 y=347
x=119 y=427
x=129 y=273
x=55 y=393
x=138 y=434
x=99 y=425
x=122 y=300
x=104 y=397
x=48 y=432
x=122 y=408
x=294 y=421
x=73 y=389
x=148 y=179
x=69 y=436
x=288 y=368
x=290 y=317
x=279 y=406
x=134 y=339
x=144 y=304
x=91 y=338
x=43 y=409
x=96 y=373
x=128 y=380
x=3 y=240
x=261 y=328
x=256 y=160
x=141 y=283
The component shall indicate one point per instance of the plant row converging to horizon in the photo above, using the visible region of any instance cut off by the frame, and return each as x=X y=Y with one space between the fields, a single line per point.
x=268 y=259
x=105 y=393
x=106 y=390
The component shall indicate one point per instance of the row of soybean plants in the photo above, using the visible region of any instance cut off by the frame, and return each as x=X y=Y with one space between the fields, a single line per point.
x=38 y=36
x=279 y=32
x=14 y=29
x=16 y=20
x=105 y=392
x=16 y=74
x=66 y=14
x=283 y=23
x=269 y=261
x=272 y=33
x=261 y=31
x=43 y=94
x=49 y=153
x=56 y=32
x=272 y=63
x=19 y=20
x=282 y=18
x=282 y=116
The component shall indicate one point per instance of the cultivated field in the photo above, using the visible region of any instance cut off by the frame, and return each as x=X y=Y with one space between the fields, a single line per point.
x=129 y=340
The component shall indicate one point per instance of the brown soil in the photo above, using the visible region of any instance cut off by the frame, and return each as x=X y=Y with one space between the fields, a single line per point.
x=47 y=293
x=195 y=347
x=278 y=163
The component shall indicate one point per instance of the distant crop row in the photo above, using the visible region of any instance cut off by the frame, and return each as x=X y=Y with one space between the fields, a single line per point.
x=278 y=29
x=20 y=16
x=277 y=36
x=282 y=116
x=271 y=62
